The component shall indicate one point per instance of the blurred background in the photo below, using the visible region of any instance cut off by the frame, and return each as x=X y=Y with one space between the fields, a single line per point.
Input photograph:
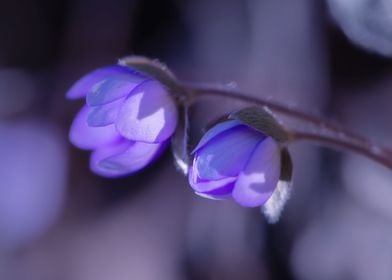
x=59 y=221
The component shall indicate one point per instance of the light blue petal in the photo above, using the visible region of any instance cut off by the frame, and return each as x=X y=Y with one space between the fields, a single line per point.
x=208 y=186
x=216 y=130
x=125 y=157
x=256 y=183
x=105 y=114
x=149 y=114
x=226 y=154
x=113 y=87
x=84 y=85
x=86 y=137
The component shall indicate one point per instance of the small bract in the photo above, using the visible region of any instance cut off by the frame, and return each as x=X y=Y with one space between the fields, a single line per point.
x=127 y=121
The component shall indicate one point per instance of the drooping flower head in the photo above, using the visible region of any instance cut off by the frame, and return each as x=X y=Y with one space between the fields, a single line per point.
x=236 y=161
x=127 y=120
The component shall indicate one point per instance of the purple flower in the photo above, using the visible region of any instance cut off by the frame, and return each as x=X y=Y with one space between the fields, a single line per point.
x=127 y=120
x=236 y=161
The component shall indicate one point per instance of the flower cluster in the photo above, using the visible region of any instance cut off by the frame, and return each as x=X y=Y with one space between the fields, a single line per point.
x=130 y=116
x=134 y=109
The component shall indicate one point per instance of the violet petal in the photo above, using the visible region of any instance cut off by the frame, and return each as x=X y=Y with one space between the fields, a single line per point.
x=256 y=183
x=105 y=114
x=113 y=87
x=84 y=85
x=149 y=114
x=86 y=137
x=214 y=196
x=208 y=186
x=124 y=158
x=227 y=154
x=226 y=190
x=216 y=130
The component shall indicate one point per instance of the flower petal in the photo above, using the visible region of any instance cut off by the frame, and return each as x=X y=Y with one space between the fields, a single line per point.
x=149 y=114
x=222 y=191
x=86 y=137
x=214 y=131
x=105 y=114
x=217 y=187
x=123 y=158
x=215 y=196
x=113 y=87
x=84 y=85
x=256 y=183
x=227 y=154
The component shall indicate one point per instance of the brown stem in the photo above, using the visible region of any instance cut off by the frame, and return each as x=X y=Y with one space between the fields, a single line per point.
x=377 y=153
x=311 y=128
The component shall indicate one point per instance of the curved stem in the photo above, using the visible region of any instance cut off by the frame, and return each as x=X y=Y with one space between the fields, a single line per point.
x=377 y=153
x=307 y=127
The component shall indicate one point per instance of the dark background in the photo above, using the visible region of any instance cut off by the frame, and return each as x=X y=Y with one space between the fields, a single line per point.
x=59 y=221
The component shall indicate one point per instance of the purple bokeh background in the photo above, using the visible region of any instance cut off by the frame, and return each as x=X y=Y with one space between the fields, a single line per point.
x=59 y=221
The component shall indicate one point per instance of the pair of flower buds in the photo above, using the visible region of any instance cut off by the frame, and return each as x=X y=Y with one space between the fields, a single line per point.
x=132 y=112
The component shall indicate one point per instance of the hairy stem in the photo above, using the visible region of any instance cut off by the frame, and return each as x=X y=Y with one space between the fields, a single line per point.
x=307 y=127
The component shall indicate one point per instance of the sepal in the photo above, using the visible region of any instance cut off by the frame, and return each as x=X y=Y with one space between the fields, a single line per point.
x=263 y=121
x=274 y=206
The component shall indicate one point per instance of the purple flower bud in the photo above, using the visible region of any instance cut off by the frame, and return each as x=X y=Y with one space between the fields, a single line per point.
x=127 y=120
x=236 y=161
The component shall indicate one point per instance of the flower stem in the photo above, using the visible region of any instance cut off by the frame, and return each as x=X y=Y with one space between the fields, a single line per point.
x=307 y=127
